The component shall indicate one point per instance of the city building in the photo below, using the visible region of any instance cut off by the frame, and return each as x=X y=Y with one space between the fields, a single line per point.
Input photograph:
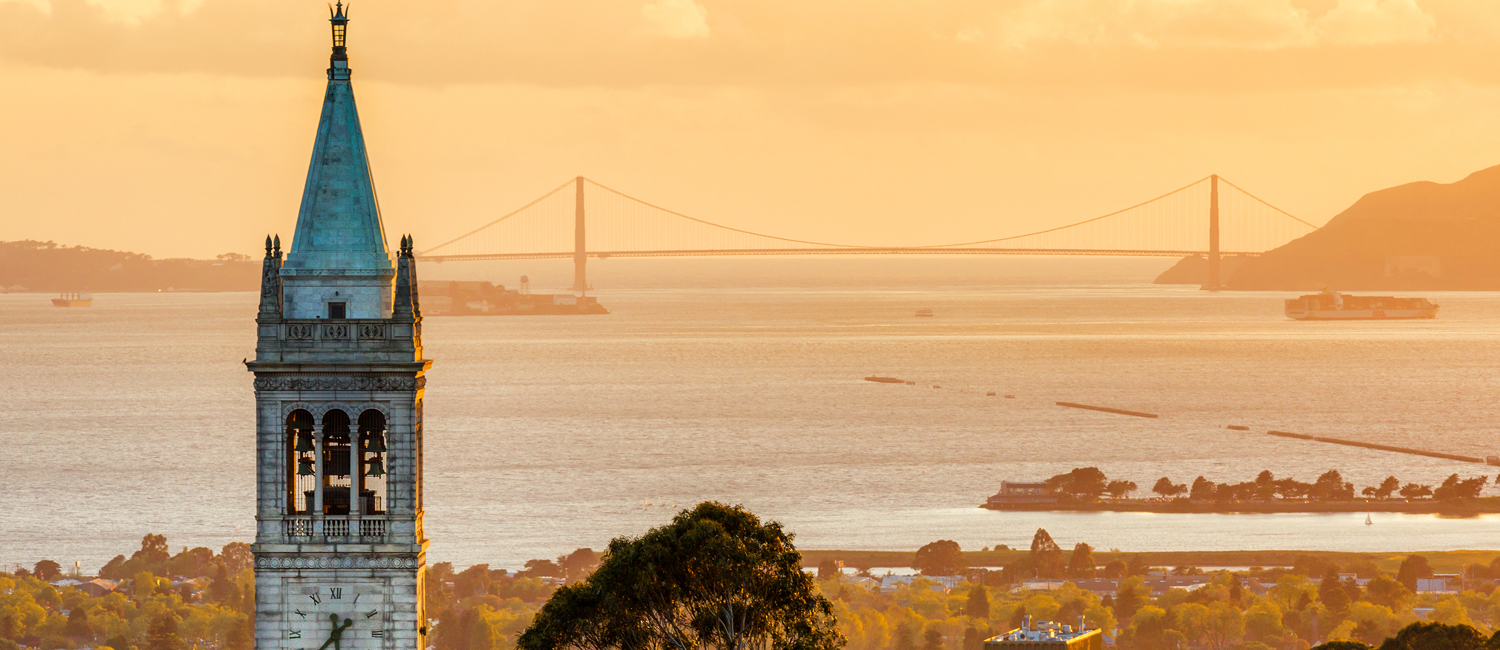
x=1047 y=635
x=1014 y=493
x=340 y=554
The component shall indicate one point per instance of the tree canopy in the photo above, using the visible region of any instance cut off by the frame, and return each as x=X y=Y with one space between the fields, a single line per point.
x=940 y=558
x=715 y=577
x=1084 y=483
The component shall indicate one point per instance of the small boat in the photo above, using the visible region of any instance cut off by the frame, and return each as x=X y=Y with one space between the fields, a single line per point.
x=924 y=313
x=1367 y=520
x=73 y=300
x=885 y=380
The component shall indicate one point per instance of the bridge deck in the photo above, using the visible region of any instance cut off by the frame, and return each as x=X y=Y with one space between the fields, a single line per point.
x=828 y=251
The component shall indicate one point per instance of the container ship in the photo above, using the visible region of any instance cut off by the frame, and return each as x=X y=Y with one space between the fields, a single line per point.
x=73 y=300
x=1332 y=305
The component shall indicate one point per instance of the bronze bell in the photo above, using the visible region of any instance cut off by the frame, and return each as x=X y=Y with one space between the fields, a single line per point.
x=375 y=443
x=305 y=467
x=377 y=468
x=304 y=442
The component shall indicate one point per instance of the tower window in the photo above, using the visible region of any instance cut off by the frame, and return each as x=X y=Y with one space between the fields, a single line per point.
x=336 y=310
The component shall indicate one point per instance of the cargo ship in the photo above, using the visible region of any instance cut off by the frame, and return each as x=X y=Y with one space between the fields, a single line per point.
x=1332 y=305
x=73 y=300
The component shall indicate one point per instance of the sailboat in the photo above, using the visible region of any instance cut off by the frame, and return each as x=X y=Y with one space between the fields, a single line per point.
x=1367 y=519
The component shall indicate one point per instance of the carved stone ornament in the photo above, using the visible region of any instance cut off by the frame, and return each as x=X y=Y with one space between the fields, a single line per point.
x=339 y=383
x=337 y=562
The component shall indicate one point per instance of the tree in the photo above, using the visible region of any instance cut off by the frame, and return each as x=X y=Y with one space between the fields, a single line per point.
x=828 y=568
x=1454 y=488
x=542 y=569
x=1342 y=645
x=1387 y=487
x=154 y=549
x=162 y=634
x=242 y=634
x=236 y=557
x=973 y=639
x=46 y=570
x=1130 y=597
x=1203 y=489
x=978 y=604
x=932 y=639
x=1046 y=557
x=1116 y=569
x=1166 y=488
x=1083 y=483
x=1415 y=491
x=77 y=626
x=1413 y=568
x=1081 y=564
x=715 y=577
x=578 y=564
x=940 y=558
x=1120 y=489
x=1331 y=486
x=1435 y=636
x=903 y=637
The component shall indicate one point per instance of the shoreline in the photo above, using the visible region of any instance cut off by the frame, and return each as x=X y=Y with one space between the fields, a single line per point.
x=1390 y=561
x=1464 y=508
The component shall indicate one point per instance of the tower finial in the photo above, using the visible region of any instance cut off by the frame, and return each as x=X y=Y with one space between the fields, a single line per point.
x=340 y=21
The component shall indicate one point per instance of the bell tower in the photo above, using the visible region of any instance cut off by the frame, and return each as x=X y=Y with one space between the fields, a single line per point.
x=340 y=554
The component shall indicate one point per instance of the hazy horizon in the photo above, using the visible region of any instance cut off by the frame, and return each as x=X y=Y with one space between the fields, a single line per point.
x=183 y=129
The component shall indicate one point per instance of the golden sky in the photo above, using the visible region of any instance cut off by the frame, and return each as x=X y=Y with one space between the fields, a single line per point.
x=183 y=128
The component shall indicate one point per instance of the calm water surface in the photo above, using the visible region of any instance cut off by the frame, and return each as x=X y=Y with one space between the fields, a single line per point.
x=550 y=433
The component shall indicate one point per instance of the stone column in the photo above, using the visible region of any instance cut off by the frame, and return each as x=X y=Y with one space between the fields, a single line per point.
x=317 y=505
x=355 y=460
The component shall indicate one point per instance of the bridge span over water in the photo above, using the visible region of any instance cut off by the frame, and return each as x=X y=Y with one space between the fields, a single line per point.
x=1210 y=217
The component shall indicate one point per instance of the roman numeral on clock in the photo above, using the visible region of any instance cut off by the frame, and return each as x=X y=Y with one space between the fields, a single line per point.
x=378 y=634
x=294 y=634
x=371 y=613
x=316 y=600
x=300 y=613
x=336 y=593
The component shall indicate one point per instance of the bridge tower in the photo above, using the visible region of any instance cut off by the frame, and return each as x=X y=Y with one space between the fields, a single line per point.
x=1213 y=234
x=580 y=250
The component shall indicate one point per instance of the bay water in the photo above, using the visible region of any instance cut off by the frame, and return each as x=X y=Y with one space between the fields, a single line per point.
x=742 y=381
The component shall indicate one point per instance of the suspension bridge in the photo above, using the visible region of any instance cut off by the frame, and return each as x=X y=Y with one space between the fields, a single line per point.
x=1210 y=217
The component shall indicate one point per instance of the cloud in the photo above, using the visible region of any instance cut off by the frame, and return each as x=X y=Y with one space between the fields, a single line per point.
x=1019 y=43
x=676 y=19
x=1373 y=22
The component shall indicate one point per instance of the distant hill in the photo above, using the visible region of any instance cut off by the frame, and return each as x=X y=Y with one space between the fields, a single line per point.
x=1418 y=236
x=46 y=267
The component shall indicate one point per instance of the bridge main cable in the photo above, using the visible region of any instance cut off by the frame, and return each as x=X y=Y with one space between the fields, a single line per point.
x=710 y=223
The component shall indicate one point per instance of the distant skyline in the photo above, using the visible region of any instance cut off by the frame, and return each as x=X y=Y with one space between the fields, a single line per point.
x=183 y=128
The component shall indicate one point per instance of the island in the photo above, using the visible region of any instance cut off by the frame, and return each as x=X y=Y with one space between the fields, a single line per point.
x=1087 y=489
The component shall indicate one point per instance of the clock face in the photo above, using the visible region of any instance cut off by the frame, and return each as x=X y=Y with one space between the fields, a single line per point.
x=327 y=616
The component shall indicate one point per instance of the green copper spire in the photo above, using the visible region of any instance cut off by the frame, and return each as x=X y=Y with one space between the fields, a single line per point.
x=340 y=238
